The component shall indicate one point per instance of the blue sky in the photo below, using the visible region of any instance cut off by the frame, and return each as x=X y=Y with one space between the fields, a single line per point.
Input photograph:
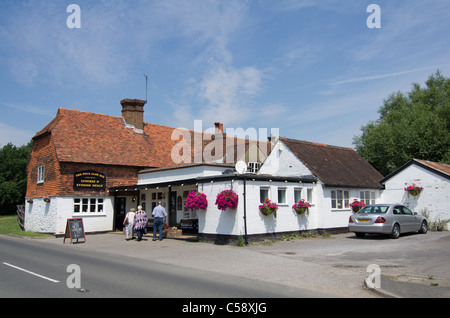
x=312 y=69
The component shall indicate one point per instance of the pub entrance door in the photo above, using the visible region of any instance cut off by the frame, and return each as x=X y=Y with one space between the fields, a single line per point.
x=172 y=217
x=120 y=212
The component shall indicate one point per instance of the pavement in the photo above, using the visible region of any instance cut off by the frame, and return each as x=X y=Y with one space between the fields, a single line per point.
x=325 y=265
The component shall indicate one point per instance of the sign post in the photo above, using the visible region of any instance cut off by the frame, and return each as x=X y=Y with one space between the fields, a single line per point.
x=74 y=230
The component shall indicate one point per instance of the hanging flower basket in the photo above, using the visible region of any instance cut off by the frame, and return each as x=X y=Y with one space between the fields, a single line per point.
x=196 y=200
x=413 y=190
x=357 y=205
x=46 y=199
x=227 y=199
x=268 y=208
x=302 y=207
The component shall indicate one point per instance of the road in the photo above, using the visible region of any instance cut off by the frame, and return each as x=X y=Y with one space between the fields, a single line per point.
x=29 y=268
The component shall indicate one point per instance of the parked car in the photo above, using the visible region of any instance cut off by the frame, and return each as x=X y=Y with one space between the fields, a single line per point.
x=392 y=219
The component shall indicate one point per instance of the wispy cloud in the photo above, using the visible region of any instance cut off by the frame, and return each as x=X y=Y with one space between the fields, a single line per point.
x=382 y=76
x=30 y=109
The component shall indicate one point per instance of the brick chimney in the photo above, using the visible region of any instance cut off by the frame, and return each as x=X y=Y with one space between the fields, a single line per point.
x=133 y=112
x=219 y=127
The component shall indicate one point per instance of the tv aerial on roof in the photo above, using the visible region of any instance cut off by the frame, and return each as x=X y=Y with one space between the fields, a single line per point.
x=146 y=85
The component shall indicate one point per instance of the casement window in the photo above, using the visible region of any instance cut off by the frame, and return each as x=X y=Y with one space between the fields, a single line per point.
x=368 y=197
x=40 y=174
x=297 y=194
x=87 y=205
x=282 y=196
x=263 y=194
x=340 y=199
x=309 y=195
x=253 y=167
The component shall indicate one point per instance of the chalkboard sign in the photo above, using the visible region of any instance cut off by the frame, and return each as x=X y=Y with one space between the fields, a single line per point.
x=74 y=230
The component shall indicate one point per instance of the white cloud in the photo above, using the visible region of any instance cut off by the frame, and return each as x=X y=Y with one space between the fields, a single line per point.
x=228 y=92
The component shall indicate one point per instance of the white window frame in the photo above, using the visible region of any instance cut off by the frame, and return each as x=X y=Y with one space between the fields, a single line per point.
x=253 y=167
x=299 y=191
x=367 y=196
x=40 y=174
x=88 y=205
x=310 y=195
x=261 y=200
x=340 y=199
x=283 y=189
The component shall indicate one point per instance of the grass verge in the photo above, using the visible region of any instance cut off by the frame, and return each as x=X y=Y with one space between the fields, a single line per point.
x=9 y=225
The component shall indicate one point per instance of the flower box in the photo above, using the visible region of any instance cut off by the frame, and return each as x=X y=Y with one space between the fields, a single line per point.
x=173 y=233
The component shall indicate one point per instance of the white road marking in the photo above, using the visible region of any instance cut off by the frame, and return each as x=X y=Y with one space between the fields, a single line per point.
x=29 y=272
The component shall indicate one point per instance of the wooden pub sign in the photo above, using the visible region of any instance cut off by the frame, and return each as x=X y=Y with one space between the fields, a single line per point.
x=74 y=230
x=89 y=180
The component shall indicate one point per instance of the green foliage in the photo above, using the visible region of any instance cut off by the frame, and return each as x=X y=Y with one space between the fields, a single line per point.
x=414 y=125
x=13 y=176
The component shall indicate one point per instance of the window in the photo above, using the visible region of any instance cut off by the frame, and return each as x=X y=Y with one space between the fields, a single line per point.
x=254 y=166
x=263 y=194
x=297 y=194
x=40 y=174
x=309 y=195
x=282 y=195
x=340 y=199
x=367 y=197
x=91 y=205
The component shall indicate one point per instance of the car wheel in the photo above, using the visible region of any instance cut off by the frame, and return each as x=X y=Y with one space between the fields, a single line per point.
x=359 y=234
x=423 y=227
x=395 y=234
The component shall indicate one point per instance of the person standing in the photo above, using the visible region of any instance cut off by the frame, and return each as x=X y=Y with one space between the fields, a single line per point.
x=129 y=224
x=160 y=215
x=140 y=223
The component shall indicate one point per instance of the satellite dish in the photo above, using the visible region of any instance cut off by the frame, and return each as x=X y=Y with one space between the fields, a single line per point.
x=240 y=166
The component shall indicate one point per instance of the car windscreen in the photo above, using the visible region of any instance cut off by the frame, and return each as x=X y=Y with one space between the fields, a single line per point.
x=375 y=209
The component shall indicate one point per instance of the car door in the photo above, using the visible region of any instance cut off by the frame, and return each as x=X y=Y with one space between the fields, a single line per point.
x=400 y=218
x=410 y=219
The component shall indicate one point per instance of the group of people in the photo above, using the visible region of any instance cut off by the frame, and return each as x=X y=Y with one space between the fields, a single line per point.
x=137 y=221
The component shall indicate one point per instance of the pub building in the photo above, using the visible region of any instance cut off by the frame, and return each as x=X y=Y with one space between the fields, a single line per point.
x=97 y=167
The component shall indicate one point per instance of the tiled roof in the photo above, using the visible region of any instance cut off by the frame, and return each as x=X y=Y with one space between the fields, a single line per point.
x=440 y=168
x=86 y=137
x=335 y=166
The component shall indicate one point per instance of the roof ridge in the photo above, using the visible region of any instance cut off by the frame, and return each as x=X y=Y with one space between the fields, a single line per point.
x=316 y=143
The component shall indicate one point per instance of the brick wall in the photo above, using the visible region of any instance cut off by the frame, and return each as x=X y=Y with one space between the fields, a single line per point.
x=43 y=153
x=59 y=176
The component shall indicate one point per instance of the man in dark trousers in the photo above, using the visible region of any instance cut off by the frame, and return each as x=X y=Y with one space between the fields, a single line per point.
x=160 y=217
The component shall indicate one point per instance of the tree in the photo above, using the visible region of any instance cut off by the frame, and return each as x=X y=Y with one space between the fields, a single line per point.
x=13 y=176
x=413 y=125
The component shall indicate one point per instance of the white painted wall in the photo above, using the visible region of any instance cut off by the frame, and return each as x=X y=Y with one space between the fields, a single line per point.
x=52 y=217
x=435 y=197
x=282 y=162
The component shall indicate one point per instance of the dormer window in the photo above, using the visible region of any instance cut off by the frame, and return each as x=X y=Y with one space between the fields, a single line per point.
x=253 y=167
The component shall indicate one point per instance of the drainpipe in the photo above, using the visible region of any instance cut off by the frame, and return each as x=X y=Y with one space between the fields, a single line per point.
x=245 y=211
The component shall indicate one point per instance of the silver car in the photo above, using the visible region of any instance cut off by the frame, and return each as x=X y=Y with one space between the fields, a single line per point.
x=392 y=219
